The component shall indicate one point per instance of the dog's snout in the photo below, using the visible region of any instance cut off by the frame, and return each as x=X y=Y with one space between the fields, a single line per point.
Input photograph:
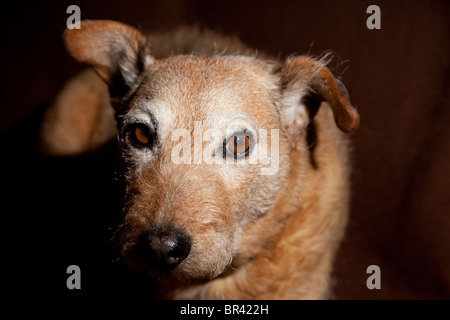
x=166 y=247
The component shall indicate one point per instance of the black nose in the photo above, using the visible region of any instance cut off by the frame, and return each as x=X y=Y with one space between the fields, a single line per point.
x=165 y=247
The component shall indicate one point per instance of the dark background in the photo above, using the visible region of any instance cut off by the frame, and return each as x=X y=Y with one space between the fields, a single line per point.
x=58 y=212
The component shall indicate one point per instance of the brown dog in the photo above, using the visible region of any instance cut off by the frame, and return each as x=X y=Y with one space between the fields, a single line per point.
x=201 y=217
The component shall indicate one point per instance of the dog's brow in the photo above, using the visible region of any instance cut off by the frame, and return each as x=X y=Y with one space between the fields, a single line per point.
x=237 y=121
x=160 y=114
x=139 y=115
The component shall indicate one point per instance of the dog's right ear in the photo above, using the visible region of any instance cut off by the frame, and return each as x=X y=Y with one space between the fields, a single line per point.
x=304 y=78
x=116 y=51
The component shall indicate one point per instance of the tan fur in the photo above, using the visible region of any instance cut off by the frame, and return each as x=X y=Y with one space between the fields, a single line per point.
x=81 y=117
x=254 y=236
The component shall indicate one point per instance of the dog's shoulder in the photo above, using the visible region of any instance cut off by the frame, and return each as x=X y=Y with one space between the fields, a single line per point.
x=80 y=118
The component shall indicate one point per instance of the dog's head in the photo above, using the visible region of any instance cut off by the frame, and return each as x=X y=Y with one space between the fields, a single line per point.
x=206 y=140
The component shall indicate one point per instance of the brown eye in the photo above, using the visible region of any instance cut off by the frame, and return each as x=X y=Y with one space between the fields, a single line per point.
x=141 y=136
x=239 y=144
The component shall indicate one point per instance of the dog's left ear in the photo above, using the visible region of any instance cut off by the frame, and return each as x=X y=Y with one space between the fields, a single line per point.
x=81 y=118
x=116 y=51
x=304 y=78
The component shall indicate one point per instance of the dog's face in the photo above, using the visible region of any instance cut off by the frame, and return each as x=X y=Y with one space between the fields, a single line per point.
x=212 y=111
x=206 y=141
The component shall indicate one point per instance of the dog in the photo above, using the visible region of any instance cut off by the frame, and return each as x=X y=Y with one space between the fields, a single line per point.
x=200 y=218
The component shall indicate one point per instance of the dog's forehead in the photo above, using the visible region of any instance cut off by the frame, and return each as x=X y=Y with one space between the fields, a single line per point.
x=182 y=89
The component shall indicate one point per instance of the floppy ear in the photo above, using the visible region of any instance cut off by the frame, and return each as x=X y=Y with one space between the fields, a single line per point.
x=81 y=118
x=303 y=79
x=116 y=51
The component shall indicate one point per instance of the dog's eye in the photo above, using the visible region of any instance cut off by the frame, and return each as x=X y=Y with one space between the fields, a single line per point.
x=239 y=144
x=141 y=136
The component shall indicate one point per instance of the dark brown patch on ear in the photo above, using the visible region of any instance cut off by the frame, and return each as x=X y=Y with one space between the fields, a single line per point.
x=117 y=87
x=311 y=140
x=312 y=103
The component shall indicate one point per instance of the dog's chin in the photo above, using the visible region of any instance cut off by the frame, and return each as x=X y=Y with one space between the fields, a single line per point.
x=186 y=272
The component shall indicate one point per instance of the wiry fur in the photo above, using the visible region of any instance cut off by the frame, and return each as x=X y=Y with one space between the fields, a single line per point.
x=254 y=236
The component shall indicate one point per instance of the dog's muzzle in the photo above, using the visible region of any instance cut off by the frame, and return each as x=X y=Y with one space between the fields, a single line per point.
x=165 y=247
